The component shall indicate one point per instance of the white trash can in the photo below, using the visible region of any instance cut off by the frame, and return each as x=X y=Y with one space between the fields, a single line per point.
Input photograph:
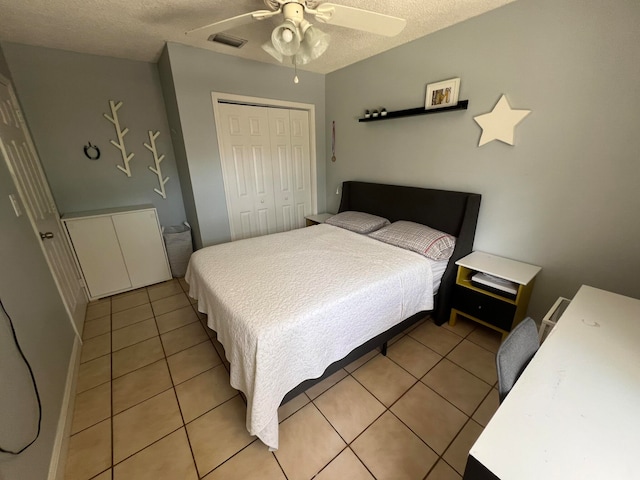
x=177 y=239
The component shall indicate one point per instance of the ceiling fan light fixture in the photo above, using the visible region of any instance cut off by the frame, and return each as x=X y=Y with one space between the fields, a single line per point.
x=286 y=38
x=311 y=50
x=316 y=42
x=268 y=47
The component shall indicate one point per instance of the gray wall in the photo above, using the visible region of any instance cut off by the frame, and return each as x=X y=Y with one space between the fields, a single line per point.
x=173 y=116
x=566 y=196
x=31 y=298
x=194 y=75
x=4 y=68
x=64 y=95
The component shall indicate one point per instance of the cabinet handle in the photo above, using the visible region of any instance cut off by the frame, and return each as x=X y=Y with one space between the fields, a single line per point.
x=46 y=235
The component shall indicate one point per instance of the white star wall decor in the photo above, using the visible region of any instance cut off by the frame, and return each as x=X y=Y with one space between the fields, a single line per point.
x=500 y=123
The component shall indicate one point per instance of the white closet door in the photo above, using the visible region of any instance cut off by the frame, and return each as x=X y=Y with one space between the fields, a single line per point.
x=96 y=245
x=289 y=131
x=247 y=171
x=280 y=136
x=300 y=167
x=142 y=247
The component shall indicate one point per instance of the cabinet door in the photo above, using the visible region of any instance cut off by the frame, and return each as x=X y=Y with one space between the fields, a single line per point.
x=142 y=247
x=96 y=246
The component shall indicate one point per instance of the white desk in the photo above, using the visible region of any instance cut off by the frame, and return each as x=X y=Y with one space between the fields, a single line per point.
x=575 y=411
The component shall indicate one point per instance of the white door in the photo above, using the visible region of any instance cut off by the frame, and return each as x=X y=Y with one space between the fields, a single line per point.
x=19 y=153
x=247 y=170
x=265 y=154
x=300 y=167
x=289 y=131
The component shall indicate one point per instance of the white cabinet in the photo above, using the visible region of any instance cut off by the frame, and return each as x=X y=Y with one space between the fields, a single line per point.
x=118 y=249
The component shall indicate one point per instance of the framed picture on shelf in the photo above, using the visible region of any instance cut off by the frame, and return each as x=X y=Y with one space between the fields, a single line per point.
x=442 y=94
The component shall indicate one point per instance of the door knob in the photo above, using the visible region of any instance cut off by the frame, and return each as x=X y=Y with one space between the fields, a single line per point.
x=46 y=235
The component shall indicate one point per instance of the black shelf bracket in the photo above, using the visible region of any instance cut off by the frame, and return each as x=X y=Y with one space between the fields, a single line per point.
x=411 y=112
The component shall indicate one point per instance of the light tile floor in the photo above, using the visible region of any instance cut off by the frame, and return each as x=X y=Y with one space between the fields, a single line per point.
x=153 y=401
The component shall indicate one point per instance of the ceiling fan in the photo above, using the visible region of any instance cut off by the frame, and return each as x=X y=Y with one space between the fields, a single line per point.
x=298 y=39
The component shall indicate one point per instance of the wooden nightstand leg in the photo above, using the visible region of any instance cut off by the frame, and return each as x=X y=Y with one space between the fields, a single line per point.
x=452 y=318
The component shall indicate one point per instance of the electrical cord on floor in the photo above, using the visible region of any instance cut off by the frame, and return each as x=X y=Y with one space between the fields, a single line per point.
x=35 y=387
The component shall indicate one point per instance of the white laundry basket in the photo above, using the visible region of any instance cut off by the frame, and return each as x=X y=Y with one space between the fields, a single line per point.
x=177 y=239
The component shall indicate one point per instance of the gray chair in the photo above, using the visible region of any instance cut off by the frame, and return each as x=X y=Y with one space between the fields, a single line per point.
x=514 y=355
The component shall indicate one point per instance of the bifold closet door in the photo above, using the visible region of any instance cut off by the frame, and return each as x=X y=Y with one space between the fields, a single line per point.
x=289 y=134
x=247 y=170
x=266 y=164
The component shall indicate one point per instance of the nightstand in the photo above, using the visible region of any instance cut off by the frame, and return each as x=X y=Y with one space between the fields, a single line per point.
x=487 y=305
x=317 y=219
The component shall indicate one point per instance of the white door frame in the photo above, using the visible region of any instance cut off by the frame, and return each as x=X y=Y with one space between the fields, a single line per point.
x=221 y=97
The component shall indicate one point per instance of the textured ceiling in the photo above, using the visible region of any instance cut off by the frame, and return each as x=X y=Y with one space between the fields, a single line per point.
x=138 y=29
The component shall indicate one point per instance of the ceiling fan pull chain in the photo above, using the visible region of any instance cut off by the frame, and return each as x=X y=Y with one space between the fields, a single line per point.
x=295 y=68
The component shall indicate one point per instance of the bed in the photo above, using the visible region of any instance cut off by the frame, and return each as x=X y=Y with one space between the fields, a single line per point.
x=292 y=308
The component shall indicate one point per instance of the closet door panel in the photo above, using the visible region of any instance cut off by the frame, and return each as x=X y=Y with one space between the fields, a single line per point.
x=301 y=166
x=247 y=172
x=280 y=132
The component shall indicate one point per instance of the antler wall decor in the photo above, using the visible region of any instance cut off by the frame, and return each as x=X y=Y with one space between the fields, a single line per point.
x=120 y=132
x=157 y=170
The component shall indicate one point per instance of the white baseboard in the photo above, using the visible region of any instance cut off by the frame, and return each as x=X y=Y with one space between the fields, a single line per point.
x=61 y=444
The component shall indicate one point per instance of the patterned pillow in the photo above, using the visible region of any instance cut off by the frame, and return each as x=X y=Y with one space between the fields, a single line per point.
x=358 y=222
x=419 y=238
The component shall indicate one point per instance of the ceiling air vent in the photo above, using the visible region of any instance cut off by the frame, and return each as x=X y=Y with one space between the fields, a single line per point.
x=227 y=40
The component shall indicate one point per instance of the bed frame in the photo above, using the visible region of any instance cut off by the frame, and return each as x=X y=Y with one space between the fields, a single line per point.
x=455 y=213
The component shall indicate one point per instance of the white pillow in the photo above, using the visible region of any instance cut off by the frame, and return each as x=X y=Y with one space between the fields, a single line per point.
x=358 y=222
x=424 y=240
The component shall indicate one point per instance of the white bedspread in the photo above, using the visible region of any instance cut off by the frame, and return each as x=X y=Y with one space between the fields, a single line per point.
x=286 y=306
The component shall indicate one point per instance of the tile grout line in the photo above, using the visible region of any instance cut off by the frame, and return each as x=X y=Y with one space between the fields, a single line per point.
x=175 y=393
x=462 y=367
x=153 y=396
x=388 y=409
x=210 y=410
x=111 y=384
x=348 y=444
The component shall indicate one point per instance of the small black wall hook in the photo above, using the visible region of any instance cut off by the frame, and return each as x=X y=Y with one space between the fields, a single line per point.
x=91 y=152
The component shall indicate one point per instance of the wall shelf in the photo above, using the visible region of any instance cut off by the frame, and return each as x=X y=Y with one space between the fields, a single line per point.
x=462 y=105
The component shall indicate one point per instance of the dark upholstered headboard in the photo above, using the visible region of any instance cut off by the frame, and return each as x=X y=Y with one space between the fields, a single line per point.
x=455 y=213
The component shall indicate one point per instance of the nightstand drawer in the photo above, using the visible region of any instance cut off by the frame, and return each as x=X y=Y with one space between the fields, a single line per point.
x=484 y=307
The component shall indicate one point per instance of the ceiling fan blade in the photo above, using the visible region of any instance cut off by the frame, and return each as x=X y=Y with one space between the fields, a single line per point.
x=358 y=19
x=234 y=22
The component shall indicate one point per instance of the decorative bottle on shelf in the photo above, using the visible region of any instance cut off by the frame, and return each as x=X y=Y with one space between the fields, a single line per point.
x=383 y=112
x=375 y=113
x=367 y=114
